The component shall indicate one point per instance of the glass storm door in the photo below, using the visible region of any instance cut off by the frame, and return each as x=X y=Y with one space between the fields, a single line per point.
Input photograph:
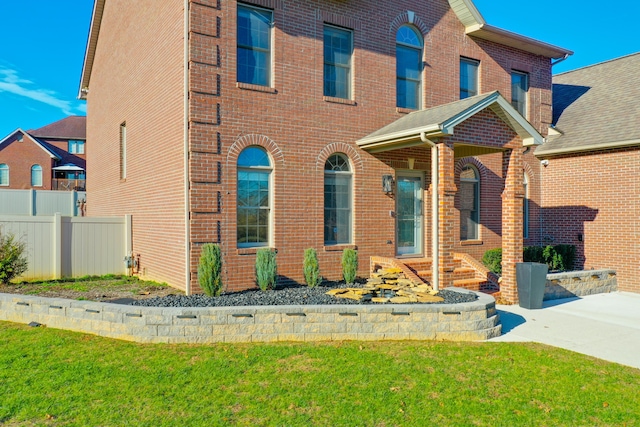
x=409 y=217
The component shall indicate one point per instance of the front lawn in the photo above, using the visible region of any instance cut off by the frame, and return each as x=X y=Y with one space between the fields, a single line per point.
x=60 y=378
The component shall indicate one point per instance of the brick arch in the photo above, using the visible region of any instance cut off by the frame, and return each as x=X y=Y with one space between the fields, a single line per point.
x=482 y=170
x=339 y=147
x=254 y=139
x=529 y=171
x=405 y=18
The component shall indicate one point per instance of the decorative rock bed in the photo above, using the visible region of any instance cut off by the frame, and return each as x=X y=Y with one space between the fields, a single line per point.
x=468 y=321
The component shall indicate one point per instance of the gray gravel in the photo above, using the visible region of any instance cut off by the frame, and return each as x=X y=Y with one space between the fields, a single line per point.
x=290 y=295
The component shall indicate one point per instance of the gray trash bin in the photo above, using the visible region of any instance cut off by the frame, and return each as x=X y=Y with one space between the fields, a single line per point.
x=531 y=278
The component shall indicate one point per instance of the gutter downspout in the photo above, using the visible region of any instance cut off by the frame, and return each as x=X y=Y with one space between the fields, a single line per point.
x=566 y=55
x=435 y=226
x=187 y=208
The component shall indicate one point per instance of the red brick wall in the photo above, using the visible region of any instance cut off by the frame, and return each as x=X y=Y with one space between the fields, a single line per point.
x=137 y=78
x=300 y=129
x=20 y=157
x=595 y=195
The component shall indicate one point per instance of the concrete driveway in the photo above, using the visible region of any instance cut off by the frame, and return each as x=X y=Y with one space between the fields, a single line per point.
x=606 y=326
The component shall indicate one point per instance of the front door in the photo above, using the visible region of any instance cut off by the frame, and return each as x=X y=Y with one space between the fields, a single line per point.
x=409 y=216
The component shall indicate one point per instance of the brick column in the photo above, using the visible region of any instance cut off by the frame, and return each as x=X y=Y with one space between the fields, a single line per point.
x=512 y=199
x=446 y=213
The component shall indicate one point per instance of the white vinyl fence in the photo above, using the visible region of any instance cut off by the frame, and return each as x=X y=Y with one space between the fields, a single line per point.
x=41 y=202
x=64 y=246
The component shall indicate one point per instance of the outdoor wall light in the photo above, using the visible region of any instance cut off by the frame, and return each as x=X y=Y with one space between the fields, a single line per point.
x=388 y=184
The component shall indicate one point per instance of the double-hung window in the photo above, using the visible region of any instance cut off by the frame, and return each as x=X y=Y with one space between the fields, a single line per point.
x=254 y=207
x=36 y=176
x=4 y=174
x=408 y=68
x=469 y=203
x=338 y=51
x=337 y=200
x=76 y=146
x=468 y=77
x=254 y=45
x=519 y=89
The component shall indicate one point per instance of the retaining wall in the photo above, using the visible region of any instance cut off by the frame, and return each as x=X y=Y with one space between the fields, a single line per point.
x=451 y=322
x=580 y=283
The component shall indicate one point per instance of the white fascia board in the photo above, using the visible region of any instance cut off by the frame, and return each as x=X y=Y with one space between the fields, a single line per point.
x=400 y=136
x=35 y=141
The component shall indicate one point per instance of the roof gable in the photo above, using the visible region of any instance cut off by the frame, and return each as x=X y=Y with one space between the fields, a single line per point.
x=442 y=120
x=43 y=145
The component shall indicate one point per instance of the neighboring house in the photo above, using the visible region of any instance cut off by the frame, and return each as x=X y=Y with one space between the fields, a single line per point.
x=591 y=194
x=49 y=158
x=401 y=129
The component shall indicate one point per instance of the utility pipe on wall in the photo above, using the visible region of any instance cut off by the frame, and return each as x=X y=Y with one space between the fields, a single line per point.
x=435 y=227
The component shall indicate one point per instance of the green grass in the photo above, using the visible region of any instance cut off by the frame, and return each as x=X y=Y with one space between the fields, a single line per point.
x=61 y=378
x=109 y=282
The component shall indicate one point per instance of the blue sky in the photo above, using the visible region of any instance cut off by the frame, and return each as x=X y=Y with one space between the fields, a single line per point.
x=42 y=46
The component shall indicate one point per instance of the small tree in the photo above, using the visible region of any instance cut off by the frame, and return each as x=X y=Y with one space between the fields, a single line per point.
x=349 y=265
x=210 y=270
x=266 y=269
x=311 y=268
x=13 y=261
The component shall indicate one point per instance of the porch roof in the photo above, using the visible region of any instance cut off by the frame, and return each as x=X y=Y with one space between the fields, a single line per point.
x=441 y=121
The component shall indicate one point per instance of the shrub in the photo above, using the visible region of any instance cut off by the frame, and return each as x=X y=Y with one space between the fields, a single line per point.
x=558 y=257
x=210 y=270
x=492 y=259
x=349 y=265
x=13 y=261
x=266 y=269
x=311 y=268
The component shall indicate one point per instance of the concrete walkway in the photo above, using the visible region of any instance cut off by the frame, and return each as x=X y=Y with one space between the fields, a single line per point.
x=606 y=326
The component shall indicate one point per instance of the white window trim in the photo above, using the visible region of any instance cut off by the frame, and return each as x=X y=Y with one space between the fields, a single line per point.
x=349 y=174
x=8 y=176
x=351 y=79
x=270 y=79
x=477 y=199
x=270 y=170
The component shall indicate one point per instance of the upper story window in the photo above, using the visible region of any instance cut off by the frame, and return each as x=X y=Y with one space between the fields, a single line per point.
x=338 y=50
x=4 y=174
x=408 y=68
x=254 y=207
x=469 y=203
x=519 y=89
x=36 y=176
x=254 y=45
x=76 y=147
x=468 y=77
x=337 y=200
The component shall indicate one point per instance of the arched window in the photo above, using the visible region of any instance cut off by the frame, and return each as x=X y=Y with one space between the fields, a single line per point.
x=4 y=174
x=469 y=203
x=337 y=200
x=36 y=176
x=254 y=199
x=525 y=207
x=408 y=68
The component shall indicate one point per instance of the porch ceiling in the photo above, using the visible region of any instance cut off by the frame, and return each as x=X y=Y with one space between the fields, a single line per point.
x=441 y=121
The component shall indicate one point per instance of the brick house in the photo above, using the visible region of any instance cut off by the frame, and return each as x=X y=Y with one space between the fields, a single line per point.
x=403 y=129
x=590 y=196
x=49 y=158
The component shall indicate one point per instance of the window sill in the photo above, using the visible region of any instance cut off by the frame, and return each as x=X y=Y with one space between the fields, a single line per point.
x=252 y=251
x=405 y=110
x=256 y=88
x=471 y=242
x=339 y=248
x=342 y=101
